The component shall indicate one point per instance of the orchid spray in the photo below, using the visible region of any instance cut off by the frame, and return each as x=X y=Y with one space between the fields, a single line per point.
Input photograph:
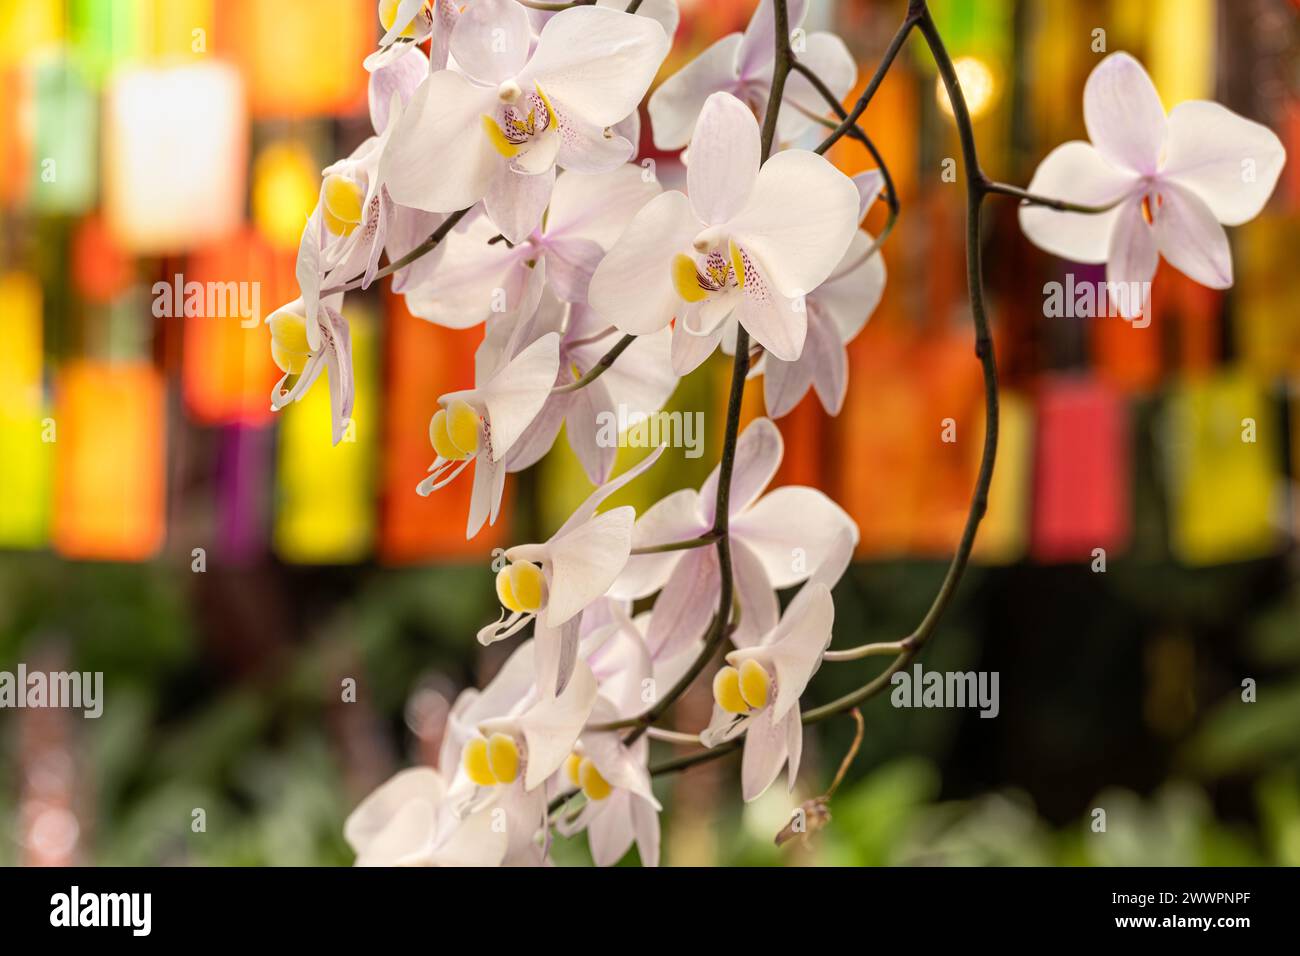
x=501 y=185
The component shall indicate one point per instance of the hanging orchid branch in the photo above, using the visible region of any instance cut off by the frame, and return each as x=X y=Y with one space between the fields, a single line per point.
x=500 y=186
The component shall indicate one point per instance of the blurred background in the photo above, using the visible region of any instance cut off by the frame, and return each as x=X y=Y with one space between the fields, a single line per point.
x=228 y=570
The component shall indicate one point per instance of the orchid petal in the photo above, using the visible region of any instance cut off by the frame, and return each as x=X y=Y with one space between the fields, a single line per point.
x=441 y=128
x=765 y=754
x=1132 y=259
x=724 y=159
x=552 y=726
x=517 y=393
x=686 y=605
x=1230 y=163
x=585 y=561
x=792 y=530
x=491 y=39
x=400 y=78
x=798 y=221
x=1123 y=114
x=597 y=63
x=759 y=450
x=676 y=103
x=1191 y=239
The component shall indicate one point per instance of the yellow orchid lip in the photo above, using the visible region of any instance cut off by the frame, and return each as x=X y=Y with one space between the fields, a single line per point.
x=695 y=283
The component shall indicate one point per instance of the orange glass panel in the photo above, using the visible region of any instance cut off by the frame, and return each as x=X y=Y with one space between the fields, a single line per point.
x=110 y=479
x=227 y=372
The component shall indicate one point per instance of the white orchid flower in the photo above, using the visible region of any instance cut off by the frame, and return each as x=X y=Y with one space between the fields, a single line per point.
x=497 y=129
x=837 y=311
x=553 y=582
x=630 y=390
x=407 y=24
x=478 y=277
x=481 y=424
x=507 y=763
x=777 y=540
x=749 y=240
x=758 y=692
x=406 y=821
x=1174 y=182
x=621 y=808
x=741 y=64
x=303 y=348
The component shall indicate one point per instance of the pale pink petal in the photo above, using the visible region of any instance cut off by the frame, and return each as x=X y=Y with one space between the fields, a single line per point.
x=785 y=383
x=758 y=45
x=765 y=755
x=1132 y=259
x=490 y=40
x=585 y=562
x=1231 y=163
x=583 y=425
x=401 y=78
x=724 y=159
x=596 y=64
x=1123 y=114
x=517 y=393
x=515 y=201
x=759 y=450
x=1191 y=239
x=686 y=605
x=792 y=529
x=645 y=825
x=610 y=832
x=552 y=725
x=442 y=129
x=831 y=60
x=688 y=350
x=759 y=609
x=599 y=206
x=570 y=264
x=797 y=243
x=775 y=322
x=828 y=362
x=676 y=103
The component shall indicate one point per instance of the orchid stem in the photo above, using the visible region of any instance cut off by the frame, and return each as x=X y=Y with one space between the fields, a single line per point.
x=428 y=245
x=596 y=371
x=700 y=542
x=992 y=187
